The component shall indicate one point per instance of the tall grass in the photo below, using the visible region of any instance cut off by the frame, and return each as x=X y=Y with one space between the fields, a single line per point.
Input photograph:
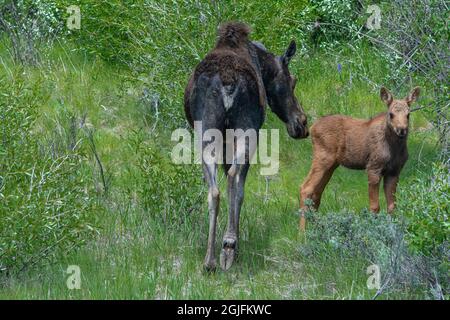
x=153 y=231
x=141 y=252
x=45 y=205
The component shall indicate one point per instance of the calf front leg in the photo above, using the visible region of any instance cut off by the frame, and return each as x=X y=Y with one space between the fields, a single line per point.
x=374 y=188
x=390 y=186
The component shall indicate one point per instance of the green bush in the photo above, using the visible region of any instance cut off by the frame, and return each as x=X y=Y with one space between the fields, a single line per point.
x=414 y=39
x=109 y=29
x=351 y=236
x=169 y=193
x=375 y=239
x=425 y=204
x=45 y=206
x=336 y=20
x=28 y=24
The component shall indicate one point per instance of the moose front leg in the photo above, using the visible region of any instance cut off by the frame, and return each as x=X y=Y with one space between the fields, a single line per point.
x=374 y=188
x=390 y=186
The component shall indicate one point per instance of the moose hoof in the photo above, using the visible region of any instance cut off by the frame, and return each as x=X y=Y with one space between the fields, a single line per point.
x=228 y=254
x=227 y=258
x=209 y=267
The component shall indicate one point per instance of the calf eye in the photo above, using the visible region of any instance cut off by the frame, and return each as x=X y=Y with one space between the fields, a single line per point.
x=391 y=115
x=407 y=116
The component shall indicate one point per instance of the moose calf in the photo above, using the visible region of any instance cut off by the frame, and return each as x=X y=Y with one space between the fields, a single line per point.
x=377 y=145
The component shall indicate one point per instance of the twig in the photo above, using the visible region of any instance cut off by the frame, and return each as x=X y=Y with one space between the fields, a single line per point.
x=419 y=108
x=97 y=158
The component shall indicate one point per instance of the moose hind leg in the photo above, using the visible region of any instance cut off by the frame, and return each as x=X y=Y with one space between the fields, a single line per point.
x=236 y=183
x=210 y=172
x=242 y=153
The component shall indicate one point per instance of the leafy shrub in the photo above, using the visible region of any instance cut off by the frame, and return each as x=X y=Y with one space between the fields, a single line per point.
x=168 y=192
x=376 y=239
x=414 y=38
x=425 y=204
x=110 y=29
x=45 y=205
x=27 y=24
x=336 y=20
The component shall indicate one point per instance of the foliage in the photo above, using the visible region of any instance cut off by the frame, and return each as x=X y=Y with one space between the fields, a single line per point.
x=168 y=192
x=125 y=71
x=414 y=38
x=108 y=28
x=425 y=204
x=334 y=21
x=379 y=240
x=45 y=206
x=28 y=23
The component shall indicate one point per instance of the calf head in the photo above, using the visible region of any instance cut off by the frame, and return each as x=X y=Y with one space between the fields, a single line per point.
x=399 y=110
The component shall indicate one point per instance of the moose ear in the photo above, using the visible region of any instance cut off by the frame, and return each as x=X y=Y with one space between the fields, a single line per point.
x=290 y=52
x=386 y=96
x=413 y=95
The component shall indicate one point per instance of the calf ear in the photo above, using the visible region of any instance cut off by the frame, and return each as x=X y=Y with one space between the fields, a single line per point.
x=413 y=95
x=290 y=52
x=386 y=96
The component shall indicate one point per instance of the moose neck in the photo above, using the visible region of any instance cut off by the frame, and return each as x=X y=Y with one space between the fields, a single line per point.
x=394 y=141
x=266 y=62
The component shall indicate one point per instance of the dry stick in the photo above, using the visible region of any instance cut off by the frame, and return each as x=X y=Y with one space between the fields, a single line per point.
x=266 y=196
x=97 y=158
x=419 y=108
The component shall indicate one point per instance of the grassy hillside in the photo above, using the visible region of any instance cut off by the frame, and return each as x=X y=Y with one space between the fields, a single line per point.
x=138 y=254
x=110 y=97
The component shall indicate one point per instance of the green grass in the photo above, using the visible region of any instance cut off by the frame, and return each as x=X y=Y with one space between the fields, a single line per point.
x=136 y=255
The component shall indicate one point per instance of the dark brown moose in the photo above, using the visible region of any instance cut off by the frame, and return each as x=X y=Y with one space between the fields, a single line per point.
x=228 y=90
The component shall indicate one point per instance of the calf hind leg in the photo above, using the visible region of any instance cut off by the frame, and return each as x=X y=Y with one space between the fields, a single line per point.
x=314 y=185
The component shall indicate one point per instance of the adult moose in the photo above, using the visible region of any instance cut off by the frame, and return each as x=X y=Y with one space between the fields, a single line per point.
x=228 y=90
x=377 y=145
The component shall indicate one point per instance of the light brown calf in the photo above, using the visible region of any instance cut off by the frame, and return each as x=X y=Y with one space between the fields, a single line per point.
x=377 y=145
